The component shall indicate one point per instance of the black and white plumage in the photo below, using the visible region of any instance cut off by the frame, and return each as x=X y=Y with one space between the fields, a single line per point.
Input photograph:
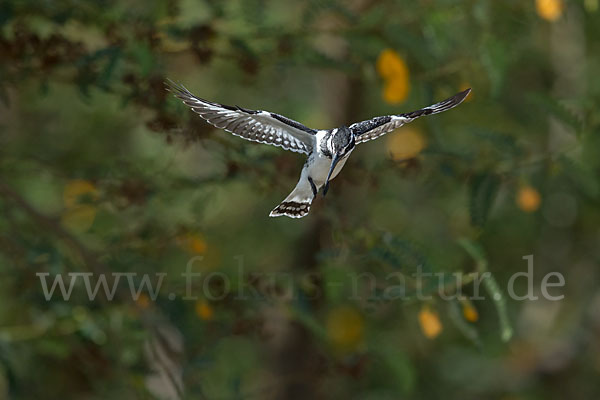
x=258 y=126
x=327 y=150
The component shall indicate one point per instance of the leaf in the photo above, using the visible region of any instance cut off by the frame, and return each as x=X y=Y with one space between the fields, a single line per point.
x=400 y=253
x=365 y=47
x=4 y=383
x=557 y=110
x=373 y=17
x=456 y=316
x=86 y=75
x=6 y=12
x=483 y=190
x=313 y=9
x=585 y=180
x=500 y=302
x=79 y=218
x=308 y=320
x=113 y=57
x=401 y=38
x=310 y=56
x=253 y=11
x=398 y=365
x=501 y=142
x=217 y=7
x=143 y=57
x=490 y=284
x=496 y=60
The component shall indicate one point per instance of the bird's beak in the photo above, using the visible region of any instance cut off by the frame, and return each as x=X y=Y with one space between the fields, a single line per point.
x=336 y=159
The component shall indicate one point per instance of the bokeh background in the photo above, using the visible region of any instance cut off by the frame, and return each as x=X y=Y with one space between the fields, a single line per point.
x=102 y=171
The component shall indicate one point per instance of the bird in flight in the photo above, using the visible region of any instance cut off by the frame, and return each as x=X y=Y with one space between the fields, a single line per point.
x=327 y=149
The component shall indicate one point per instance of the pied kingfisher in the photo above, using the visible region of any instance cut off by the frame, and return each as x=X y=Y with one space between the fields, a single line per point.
x=327 y=150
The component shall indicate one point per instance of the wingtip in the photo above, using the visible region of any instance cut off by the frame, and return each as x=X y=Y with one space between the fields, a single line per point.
x=459 y=97
x=174 y=87
x=169 y=85
x=465 y=93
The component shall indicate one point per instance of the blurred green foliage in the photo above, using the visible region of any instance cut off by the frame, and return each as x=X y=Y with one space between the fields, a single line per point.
x=101 y=171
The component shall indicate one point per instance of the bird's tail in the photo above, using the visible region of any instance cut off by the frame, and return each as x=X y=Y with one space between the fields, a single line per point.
x=297 y=204
x=292 y=209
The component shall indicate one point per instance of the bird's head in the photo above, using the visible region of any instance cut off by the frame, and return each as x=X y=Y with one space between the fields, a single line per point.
x=341 y=143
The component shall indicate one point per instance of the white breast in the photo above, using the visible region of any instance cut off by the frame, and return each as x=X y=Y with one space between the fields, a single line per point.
x=318 y=168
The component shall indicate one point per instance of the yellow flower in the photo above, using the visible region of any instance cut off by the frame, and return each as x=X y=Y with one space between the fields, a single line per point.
x=405 y=144
x=528 y=199
x=345 y=327
x=197 y=245
x=79 y=218
x=390 y=64
x=550 y=10
x=430 y=323
x=392 y=68
x=143 y=301
x=469 y=311
x=396 y=90
x=76 y=190
x=204 y=311
x=193 y=243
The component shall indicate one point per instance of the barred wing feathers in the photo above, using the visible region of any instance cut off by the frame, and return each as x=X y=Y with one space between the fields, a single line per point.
x=379 y=126
x=255 y=125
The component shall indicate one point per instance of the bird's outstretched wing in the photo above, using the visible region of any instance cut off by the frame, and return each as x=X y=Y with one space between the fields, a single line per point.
x=256 y=125
x=379 y=126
